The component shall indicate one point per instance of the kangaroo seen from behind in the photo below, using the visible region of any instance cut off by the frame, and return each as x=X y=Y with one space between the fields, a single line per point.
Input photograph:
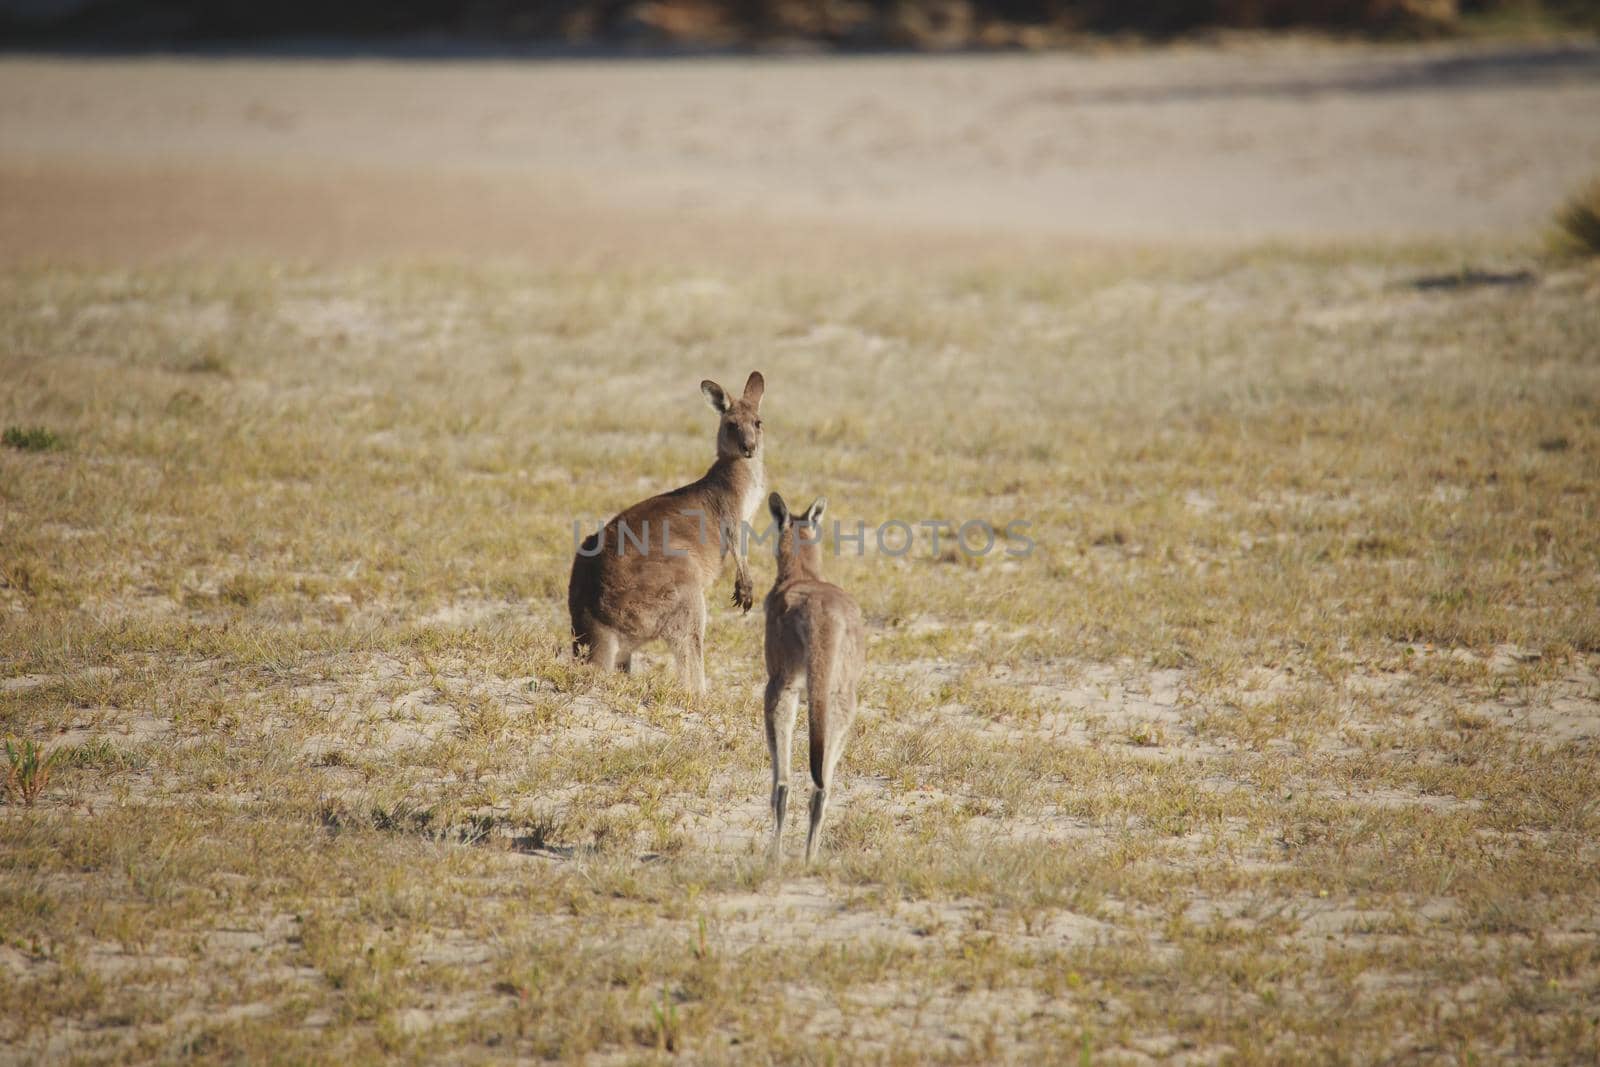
x=814 y=635
x=644 y=575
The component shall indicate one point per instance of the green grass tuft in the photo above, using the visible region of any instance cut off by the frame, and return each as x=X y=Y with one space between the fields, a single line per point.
x=32 y=439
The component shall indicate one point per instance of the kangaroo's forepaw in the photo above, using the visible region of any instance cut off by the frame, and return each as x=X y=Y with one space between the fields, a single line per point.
x=743 y=594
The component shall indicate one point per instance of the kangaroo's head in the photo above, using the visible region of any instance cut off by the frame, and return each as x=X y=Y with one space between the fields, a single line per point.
x=799 y=541
x=740 y=432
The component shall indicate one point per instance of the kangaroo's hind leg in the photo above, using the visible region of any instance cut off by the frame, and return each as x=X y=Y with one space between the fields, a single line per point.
x=688 y=643
x=604 y=645
x=782 y=704
x=831 y=717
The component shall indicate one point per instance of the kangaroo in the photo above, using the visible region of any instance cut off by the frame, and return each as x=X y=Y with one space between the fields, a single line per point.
x=815 y=633
x=644 y=575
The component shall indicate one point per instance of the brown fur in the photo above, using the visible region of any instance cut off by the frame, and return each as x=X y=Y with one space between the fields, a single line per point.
x=814 y=634
x=623 y=596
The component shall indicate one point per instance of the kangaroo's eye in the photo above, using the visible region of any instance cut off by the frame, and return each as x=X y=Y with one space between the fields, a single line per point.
x=758 y=424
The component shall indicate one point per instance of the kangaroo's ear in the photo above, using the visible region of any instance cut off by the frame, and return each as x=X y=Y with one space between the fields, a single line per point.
x=715 y=396
x=754 y=386
x=780 y=510
x=814 y=512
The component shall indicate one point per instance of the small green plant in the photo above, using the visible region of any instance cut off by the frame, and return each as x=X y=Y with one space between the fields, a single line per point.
x=28 y=771
x=31 y=439
x=698 y=947
x=1146 y=735
x=664 y=1022
x=1578 y=221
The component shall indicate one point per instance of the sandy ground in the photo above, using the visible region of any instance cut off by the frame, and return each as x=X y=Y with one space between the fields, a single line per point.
x=1400 y=847
x=107 y=159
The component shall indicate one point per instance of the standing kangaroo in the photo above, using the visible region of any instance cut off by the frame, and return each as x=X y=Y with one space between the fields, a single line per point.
x=815 y=633
x=644 y=575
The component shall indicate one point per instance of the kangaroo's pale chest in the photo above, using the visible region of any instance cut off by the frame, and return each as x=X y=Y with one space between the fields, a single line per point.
x=754 y=491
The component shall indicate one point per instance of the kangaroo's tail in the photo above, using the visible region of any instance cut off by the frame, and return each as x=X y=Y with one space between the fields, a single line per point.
x=820 y=667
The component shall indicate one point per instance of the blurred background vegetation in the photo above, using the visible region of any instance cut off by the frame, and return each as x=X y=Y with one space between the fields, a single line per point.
x=739 y=24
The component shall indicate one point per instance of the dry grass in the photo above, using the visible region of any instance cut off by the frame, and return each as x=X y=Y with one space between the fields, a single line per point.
x=1280 y=746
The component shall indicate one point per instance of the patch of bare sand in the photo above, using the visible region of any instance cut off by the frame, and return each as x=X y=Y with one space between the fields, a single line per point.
x=110 y=724
x=692 y=159
x=1561 y=710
